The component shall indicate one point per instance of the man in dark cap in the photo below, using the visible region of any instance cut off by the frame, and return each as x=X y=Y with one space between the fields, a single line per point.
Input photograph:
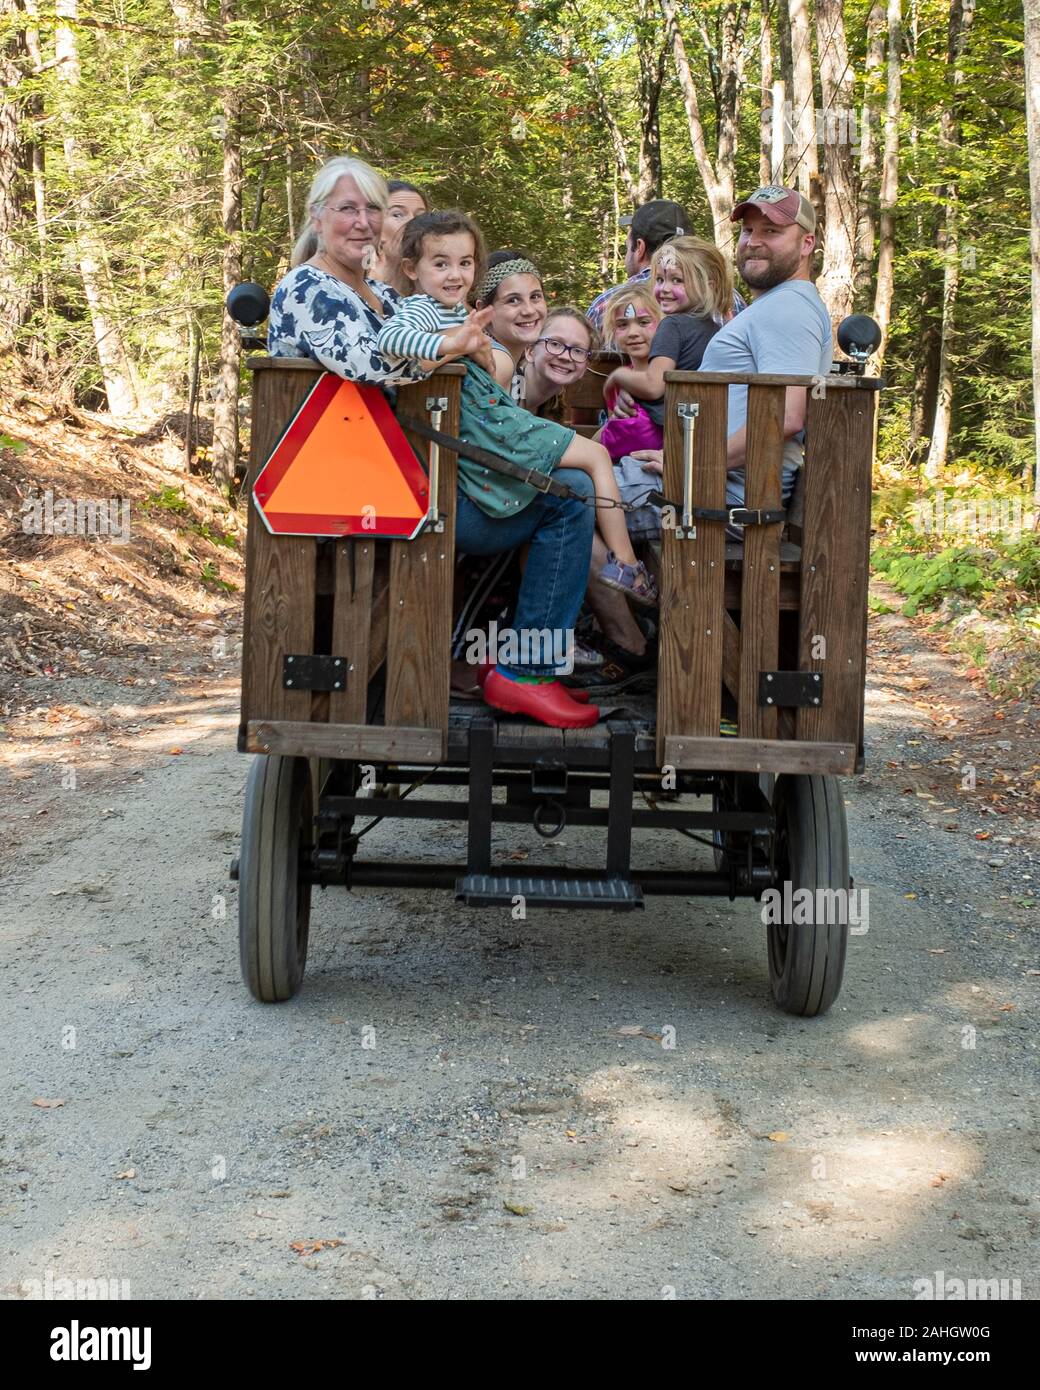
x=649 y=227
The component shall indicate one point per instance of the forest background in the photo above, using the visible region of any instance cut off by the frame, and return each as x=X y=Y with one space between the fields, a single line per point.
x=155 y=152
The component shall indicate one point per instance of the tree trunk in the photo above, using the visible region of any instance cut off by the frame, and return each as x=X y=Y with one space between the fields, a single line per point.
x=962 y=12
x=112 y=357
x=14 y=290
x=225 y=413
x=38 y=155
x=839 y=121
x=190 y=28
x=765 y=98
x=783 y=36
x=869 y=155
x=652 y=50
x=805 y=164
x=889 y=179
x=726 y=63
x=617 y=139
x=1032 y=61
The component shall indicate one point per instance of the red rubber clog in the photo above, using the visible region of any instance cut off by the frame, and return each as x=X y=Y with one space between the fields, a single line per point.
x=580 y=697
x=550 y=703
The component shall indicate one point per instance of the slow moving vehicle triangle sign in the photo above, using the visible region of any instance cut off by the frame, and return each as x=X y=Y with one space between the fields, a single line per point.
x=343 y=467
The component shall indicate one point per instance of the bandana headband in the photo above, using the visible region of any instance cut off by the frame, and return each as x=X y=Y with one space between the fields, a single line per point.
x=502 y=271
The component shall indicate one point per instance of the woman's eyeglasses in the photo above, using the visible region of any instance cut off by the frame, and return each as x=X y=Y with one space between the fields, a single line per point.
x=354 y=213
x=555 y=347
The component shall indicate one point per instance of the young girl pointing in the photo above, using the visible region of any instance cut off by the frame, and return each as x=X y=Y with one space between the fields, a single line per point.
x=441 y=254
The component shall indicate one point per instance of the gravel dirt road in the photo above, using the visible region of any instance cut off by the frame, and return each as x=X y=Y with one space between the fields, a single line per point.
x=508 y=1134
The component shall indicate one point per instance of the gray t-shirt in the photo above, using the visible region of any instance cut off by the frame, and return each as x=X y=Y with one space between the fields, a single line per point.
x=786 y=331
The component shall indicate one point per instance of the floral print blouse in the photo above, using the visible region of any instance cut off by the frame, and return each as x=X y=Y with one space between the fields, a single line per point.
x=314 y=314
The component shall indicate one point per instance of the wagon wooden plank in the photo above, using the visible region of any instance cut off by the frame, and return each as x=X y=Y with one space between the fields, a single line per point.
x=352 y=623
x=860 y=384
x=693 y=573
x=279 y=598
x=760 y=589
x=760 y=755
x=731 y=656
x=422 y=571
x=375 y=741
x=835 y=559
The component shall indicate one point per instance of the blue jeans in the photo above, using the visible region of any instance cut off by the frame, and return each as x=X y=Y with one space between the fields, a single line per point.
x=560 y=532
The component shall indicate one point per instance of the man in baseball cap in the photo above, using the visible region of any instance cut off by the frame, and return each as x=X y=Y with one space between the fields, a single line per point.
x=786 y=330
x=649 y=227
x=780 y=205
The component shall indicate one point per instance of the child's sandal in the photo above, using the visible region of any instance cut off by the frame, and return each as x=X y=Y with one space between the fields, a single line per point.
x=634 y=581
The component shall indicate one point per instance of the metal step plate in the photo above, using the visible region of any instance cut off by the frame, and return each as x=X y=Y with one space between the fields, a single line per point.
x=497 y=890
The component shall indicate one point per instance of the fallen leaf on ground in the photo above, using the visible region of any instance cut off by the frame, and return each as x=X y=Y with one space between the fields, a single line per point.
x=48 y=1104
x=778 y=1136
x=516 y=1209
x=311 y=1247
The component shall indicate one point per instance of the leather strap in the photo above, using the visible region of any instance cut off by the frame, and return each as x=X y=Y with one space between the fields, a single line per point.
x=542 y=482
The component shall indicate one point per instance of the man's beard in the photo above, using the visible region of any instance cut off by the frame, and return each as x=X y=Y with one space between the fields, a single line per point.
x=773 y=272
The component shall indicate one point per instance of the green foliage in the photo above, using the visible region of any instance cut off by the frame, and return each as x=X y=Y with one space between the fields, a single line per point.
x=168 y=499
x=925 y=579
x=1000 y=569
x=207 y=533
x=210 y=574
x=488 y=105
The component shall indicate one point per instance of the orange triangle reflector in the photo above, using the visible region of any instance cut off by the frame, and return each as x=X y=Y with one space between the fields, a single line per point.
x=342 y=468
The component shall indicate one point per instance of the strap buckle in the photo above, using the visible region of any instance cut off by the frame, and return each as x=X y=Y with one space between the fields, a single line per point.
x=541 y=482
x=754 y=516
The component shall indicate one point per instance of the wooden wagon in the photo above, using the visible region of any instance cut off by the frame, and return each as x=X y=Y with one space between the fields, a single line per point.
x=346 y=692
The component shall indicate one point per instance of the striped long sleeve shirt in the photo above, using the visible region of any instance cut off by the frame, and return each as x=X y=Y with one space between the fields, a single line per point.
x=417 y=328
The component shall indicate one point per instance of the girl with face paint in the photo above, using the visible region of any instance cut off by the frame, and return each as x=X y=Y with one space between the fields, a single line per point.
x=693 y=286
x=631 y=321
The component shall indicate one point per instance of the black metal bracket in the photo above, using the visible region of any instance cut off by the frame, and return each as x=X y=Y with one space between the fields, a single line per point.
x=314 y=672
x=481 y=778
x=789 y=689
x=549 y=778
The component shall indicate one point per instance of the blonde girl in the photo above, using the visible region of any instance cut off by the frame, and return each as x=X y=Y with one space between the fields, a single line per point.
x=693 y=287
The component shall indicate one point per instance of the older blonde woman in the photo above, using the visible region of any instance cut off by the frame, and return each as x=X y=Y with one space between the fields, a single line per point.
x=327 y=307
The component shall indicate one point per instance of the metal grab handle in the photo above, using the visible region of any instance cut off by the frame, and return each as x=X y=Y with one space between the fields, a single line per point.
x=688 y=412
x=436 y=405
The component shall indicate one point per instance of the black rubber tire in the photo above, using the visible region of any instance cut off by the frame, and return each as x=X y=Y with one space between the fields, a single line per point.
x=806 y=962
x=274 y=906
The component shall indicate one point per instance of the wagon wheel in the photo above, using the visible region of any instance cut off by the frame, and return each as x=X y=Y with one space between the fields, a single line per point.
x=274 y=905
x=806 y=961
